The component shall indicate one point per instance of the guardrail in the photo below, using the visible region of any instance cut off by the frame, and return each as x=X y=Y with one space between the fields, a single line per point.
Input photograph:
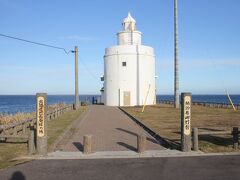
x=196 y=132
x=25 y=130
x=206 y=104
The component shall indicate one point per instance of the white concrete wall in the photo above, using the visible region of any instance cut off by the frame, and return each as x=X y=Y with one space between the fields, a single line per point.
x=122 y=78
x=128 y=38
x=146 y=79
x=111 y=81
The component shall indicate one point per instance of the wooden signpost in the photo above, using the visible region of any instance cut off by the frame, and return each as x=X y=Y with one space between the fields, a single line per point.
x=186 y=101
x=41 y=114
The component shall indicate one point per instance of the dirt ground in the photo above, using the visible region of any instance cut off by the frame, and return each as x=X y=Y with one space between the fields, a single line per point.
x=165 y=120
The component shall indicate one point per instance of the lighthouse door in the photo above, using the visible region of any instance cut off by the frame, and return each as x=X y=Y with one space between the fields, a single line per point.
x=126 y=98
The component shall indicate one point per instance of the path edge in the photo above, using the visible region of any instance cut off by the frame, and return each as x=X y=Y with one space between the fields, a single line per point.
x=163 y=141
x=66 y=131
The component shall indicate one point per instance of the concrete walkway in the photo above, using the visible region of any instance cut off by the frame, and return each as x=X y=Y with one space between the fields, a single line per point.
x=111 y=130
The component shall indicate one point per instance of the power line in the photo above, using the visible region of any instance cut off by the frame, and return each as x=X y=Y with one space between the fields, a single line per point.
x=37 y=43
x=88 y=70
x=55 y=47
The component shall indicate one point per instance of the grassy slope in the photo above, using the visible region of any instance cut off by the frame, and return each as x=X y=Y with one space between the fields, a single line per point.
x=165 y=120
x=9 y=151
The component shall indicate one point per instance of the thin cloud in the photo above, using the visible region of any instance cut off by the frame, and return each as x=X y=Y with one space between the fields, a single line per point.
x=199 y=63
x=79 y=38
x=213 y=62
x=38 y=69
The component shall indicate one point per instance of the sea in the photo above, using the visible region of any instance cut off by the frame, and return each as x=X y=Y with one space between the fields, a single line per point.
x=11 y=104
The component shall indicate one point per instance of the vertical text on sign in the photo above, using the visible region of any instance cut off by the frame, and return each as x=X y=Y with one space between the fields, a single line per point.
x=187 y=115
x=40 y=116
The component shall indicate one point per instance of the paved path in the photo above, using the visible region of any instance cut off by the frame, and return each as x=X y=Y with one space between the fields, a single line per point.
x=111 y=130
x=180 y=168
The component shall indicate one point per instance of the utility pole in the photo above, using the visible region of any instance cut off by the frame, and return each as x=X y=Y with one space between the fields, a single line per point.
x=77 y=103
x=176 y=63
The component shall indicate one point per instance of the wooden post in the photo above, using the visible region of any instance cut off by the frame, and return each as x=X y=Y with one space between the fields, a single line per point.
x=31 y=140
x=24 y=128
x=141 y=143
x=195 y=139
x=87 y=144
x=15 y=130
x=41 y=114
x=235 y=137
x=186 y=100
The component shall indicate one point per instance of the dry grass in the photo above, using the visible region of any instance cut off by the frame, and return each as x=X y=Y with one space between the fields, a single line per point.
x=5 y=119
x=165 y=120
x=10 y=118
x=10 y=151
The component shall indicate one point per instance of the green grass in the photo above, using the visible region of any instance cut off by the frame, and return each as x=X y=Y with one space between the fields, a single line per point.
x=165 y=120
x=11 y=151
x=8 y=152
x=56 y=127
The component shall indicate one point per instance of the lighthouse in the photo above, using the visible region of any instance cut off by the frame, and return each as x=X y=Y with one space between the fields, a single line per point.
x=129 y=69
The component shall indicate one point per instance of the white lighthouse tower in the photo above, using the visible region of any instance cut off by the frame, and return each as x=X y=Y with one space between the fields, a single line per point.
x=129 y=69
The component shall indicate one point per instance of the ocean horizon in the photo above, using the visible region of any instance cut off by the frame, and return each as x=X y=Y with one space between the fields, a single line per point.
x=12 y=104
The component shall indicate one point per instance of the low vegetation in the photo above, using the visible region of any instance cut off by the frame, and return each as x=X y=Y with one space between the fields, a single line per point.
x=10 y=118
x=9 y=152
x=165 y=120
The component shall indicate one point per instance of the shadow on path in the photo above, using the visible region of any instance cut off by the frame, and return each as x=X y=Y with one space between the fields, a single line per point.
x=18 y=176
x=127 y=146
x=78 y=145
x=135 y=134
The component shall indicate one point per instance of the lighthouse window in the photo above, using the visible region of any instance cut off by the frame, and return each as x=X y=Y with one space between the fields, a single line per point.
x=124 y=63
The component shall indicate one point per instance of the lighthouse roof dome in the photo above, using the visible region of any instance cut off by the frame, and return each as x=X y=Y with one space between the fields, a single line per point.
x=129 y=19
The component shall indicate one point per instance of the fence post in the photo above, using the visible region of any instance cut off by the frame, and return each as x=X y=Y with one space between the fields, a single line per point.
x=87 y=144
x=41 y=115
x=141 y=143
x=31 y=140
x=195 y=139
x=235 y=137
x=24 y=128
x=186 y=100
x=15 y=130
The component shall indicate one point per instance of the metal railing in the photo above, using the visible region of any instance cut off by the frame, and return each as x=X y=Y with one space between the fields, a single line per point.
x=206 y=104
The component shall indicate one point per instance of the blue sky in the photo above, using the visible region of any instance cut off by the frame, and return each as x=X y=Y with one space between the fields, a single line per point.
x=208 y=36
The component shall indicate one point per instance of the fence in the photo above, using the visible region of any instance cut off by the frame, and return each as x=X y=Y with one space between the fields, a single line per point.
x=206 y=104
x=205 y=131
x=25 y=130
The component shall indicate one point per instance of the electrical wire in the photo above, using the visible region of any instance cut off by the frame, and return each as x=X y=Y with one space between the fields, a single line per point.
x=55 y=47
x=36 y=43
x=88 y=70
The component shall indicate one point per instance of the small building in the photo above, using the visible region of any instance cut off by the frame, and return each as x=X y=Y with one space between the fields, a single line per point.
x=129 y=69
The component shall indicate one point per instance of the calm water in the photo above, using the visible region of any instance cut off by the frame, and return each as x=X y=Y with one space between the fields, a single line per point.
x=26 y=103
